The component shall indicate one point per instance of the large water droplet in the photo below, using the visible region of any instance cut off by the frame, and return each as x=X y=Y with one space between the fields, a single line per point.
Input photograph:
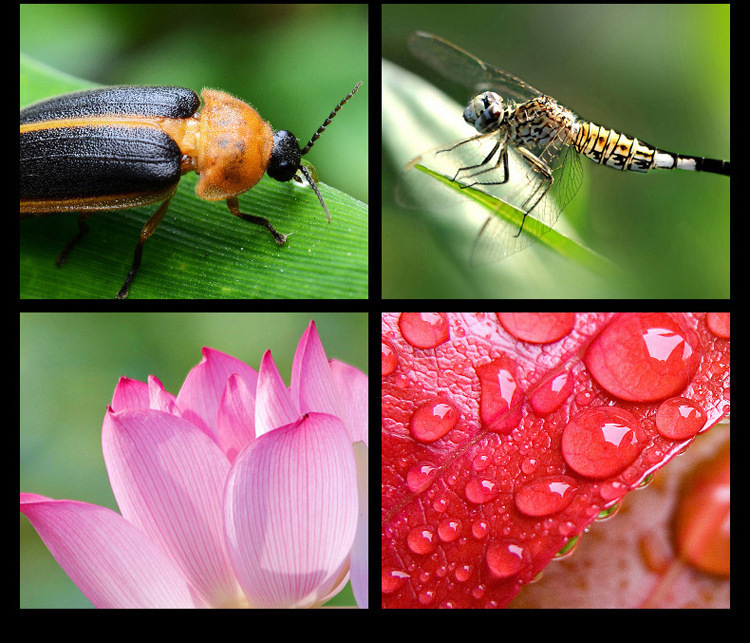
x=679 y=418
x=538 y=328
x=551 y=394
x=644 y=357
x=501 y=398
x=433 y=420
x=545 y=496
x=505 y=558
x=424 y=330
x=602 y=442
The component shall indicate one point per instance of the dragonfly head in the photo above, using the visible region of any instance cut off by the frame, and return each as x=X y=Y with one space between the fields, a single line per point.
x=485 y=112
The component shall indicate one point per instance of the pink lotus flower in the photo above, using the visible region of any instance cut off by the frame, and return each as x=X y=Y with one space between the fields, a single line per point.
x=239 y=492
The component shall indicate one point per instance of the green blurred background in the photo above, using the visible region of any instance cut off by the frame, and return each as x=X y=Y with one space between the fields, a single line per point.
x=70 y=364
x=292 y=63
x=660 y=72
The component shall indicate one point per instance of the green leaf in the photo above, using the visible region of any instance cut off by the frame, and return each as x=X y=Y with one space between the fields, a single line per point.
x=200 y=250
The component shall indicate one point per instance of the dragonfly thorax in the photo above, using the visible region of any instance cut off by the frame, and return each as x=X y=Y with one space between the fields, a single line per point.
x=485 y=112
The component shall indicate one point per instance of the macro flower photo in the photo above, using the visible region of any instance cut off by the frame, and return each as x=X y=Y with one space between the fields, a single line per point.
x=237 y=492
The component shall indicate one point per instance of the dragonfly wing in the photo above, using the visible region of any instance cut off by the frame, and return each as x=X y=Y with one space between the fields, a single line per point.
x=466 y=69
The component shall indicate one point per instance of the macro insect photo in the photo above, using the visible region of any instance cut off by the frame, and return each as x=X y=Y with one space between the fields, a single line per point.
x=198 y=251
x=495 y=133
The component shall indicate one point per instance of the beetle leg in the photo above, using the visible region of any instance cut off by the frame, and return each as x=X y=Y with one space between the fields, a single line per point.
x=147 y=231
x=234 y=207
x=83 y=228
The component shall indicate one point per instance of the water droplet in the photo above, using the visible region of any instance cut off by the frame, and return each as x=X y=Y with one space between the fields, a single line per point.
x=421 y=540
x=644 y=357
x=505 y=558
x=463 y=573
x=424 y=330
x=718 y=324
x=538 y=328
x=501 y=397
x=449 y=529
x=433 y=420
x=440 y=505
x=551 y=394
x=528 y=466
x=479 y=490
x=420 y=477
x=392 y=579
x=545 y=496
x=602 y=442
x=679 y=418
x=569 y=547
x=426 y=597
x=585 y=398
x=481 y=461
x=480 y=529
x=389 y=358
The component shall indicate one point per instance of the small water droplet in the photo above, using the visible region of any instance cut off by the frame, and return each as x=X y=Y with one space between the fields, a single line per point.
x=433 y=420
x=479 y=490
x=463 y=573
x=480 y=529
x=644 y=357
x=545 y=496
x=424 y=330
x=528 y=466
x=679 y=418
x=551 y=394
x=449 y=529
x=505 y=558
x=420 y=477
x=602 y=442
x=421 y=540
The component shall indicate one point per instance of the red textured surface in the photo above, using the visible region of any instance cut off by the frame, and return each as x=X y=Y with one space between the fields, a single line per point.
x=497 y=450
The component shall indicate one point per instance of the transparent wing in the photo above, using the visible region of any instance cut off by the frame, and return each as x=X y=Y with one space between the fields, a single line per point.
x=476 y=163
x=462 y=67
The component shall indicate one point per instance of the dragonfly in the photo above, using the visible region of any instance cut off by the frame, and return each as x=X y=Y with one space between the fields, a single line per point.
x=526 y=152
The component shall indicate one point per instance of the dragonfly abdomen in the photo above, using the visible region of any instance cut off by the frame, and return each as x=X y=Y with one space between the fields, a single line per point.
x=622 y=152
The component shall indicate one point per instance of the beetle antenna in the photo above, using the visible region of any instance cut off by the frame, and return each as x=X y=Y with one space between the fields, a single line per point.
x=304 y=171
x=322 y=128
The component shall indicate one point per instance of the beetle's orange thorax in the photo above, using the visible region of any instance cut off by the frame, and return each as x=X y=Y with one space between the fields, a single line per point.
x=233 y=144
